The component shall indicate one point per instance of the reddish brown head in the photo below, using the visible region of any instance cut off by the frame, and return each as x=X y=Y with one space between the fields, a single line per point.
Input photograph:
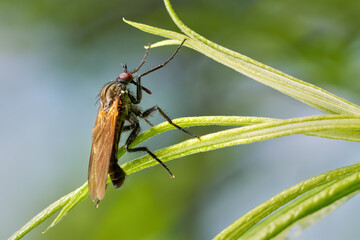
x=125 y=77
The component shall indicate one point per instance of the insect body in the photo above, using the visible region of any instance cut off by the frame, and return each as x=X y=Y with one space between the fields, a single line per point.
x=117 y=106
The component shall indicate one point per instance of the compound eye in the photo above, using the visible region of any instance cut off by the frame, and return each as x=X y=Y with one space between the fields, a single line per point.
x=125 y=77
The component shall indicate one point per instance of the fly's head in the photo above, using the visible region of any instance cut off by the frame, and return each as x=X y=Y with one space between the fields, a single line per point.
x=125 y=77
x=128 y=77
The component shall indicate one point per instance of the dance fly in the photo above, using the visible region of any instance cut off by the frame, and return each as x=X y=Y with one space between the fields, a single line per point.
x=117 y=107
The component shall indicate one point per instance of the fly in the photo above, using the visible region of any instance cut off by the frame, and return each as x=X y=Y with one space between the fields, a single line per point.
x=117 y=106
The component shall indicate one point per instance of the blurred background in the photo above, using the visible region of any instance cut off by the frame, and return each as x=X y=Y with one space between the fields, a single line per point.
x=56 y=56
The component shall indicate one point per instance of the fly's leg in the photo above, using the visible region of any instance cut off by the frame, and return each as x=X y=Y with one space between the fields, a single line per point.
x=136 y=129
x=138 y=98
x=142 y=61
x=166 y=62
x=138 y=80
x=146 y=113
x=128 y=127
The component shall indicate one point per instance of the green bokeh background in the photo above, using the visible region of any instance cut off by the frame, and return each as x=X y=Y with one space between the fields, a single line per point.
x=56 y=56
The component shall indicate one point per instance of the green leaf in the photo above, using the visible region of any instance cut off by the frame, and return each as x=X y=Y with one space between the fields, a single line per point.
x=243 y=135
x=42 y=216
x=66 y=203
x=258 y=129
x=300 y=90
x=300 y=225
x=75 y=198
x=319 y=193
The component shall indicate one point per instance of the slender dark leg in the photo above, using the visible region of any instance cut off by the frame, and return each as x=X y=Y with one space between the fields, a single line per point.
x=142 y=61
x=127 y=128
x=131 y=139
x=138 y=92
x=166 y=62
x=137 y=69
x=146 y=113
x=148 y=122
x=138 y=82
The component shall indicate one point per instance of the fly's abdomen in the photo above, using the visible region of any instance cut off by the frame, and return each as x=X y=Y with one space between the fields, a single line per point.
x=117 y=174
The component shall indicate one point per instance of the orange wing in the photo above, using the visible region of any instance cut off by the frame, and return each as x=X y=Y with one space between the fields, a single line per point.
x=101 y=150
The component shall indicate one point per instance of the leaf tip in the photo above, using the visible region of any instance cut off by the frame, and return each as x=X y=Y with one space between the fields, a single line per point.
x=126 y=21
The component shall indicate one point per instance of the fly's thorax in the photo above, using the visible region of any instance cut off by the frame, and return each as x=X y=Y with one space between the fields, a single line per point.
x=111 y=91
